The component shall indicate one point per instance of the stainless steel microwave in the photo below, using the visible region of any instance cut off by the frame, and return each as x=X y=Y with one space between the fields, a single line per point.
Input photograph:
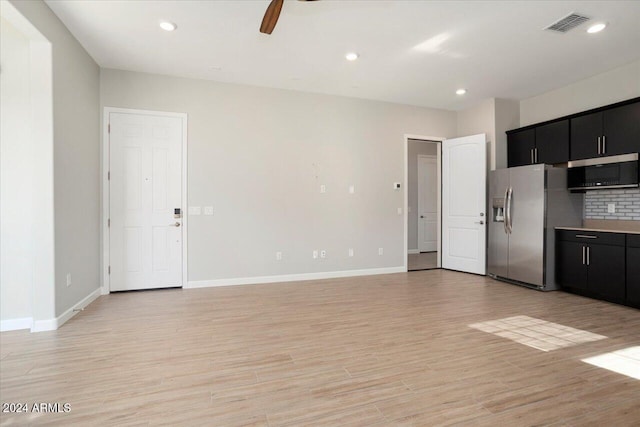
x=603 y=172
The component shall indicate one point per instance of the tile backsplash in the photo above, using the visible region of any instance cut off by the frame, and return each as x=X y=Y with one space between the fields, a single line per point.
x=627 y=204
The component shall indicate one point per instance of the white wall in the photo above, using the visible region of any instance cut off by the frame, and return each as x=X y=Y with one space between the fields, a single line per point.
x=507 y=117
x=16 y=176
x=415 y=148
x=76 y=158
x=480 y=119
x=259 y=155
x=603 y=89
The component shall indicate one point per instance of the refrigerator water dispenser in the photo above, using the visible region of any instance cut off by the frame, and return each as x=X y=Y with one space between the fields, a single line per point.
x=498 y=210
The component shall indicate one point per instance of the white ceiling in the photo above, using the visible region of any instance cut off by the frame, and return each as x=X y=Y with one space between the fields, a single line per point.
x=494 y=49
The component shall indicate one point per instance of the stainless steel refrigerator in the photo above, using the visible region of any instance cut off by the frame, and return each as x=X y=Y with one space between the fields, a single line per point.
x=525 y=204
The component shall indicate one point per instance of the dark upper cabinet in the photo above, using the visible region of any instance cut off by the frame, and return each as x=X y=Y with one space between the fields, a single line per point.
x=606 y=133
x=621 y=130
x=586 y=135
x=542 y=144
x=552 y=142
x=520 y=146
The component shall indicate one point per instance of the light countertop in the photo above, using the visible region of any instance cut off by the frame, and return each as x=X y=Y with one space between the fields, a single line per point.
x=600 y=230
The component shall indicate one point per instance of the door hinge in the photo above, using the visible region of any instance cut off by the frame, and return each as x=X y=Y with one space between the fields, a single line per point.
x=109 y=222
x=109 y=128
x=109 y=270
x=109 y=176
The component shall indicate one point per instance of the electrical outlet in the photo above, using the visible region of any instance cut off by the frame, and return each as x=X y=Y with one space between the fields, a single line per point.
x=208 y=210
x=279 y=256
x=352 y=189
x=68 y=279
x=399 y=211
x=323 y=188
x=315 y=254
x=350 y=251
x=611 y=208
x=380 y=251
x=323 y=254
x=195 y=210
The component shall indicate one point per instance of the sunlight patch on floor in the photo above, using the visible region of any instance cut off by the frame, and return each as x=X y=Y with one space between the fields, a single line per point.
x=625 y=361
x=536 y=333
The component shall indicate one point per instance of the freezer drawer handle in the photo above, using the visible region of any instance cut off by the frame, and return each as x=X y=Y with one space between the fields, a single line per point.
x=584 y=236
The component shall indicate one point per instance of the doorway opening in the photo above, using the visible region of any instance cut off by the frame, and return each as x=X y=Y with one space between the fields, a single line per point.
x=424 y=183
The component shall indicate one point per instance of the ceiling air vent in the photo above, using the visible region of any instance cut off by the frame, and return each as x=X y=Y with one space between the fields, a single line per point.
x=567 y=23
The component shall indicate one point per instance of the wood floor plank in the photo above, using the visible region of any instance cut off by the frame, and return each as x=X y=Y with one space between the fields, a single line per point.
x=388 y=350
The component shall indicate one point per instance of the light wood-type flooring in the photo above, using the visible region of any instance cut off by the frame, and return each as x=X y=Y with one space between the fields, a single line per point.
x=390 y=350
x=422 y=261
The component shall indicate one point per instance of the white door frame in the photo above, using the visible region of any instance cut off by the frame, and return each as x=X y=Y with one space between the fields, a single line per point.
x=105 y=285
x=438 y=140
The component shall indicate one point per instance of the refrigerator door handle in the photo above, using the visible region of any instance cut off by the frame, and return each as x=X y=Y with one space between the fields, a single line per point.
x=505 y=223
x=508 y=210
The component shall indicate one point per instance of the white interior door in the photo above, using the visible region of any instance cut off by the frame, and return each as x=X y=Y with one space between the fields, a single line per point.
x=464 y=177
x=145 y=163
x=427 y=204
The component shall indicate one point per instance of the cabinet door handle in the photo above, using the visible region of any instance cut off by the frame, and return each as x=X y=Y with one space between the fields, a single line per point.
x=604 y=144
x=583 y=255
x=599 y=151
x=535 y=155
x=584 y=236
x=588 y=253
x=531 y=156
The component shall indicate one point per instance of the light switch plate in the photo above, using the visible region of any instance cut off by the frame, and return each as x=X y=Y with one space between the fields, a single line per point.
x=208 y=210
x=195 y=210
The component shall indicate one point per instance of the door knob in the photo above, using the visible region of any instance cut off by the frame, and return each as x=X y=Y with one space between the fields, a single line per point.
x=479 y=222
x=481 y=213
x=176 y=224
x=421 y=216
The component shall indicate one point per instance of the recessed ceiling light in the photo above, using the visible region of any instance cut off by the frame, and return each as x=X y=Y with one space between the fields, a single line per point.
x=351 y=56
x=596 y=28
x=168 y=26
x=461 y=91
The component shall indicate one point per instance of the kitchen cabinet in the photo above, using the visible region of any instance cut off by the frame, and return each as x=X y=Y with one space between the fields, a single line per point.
x=571 y=270
x=552 y=143
x=520 y=147
x=606 y=133
x=633 y=269
x=592 y=263
x=548 y=143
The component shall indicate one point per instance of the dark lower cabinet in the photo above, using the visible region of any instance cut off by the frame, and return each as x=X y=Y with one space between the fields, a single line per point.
x=594 y=264
x=570 y=264
x=606 y=271
x=633 y=269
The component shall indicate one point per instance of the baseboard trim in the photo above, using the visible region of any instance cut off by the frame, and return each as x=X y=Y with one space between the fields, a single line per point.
x=292 y=277
x=53 y=324
x=413 y=251
x=15 y=324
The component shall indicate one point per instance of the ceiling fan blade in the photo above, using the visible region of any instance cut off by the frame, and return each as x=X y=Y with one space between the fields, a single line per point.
x=271 y=16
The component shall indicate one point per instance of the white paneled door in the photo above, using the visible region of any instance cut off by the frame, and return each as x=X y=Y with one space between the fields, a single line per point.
x=464 y=177
x=145 y=161
x=427 y=204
